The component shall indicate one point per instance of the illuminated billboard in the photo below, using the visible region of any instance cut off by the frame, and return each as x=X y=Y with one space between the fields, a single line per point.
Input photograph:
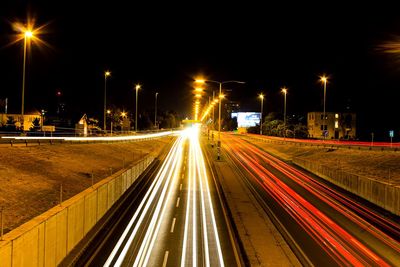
x=247 y=119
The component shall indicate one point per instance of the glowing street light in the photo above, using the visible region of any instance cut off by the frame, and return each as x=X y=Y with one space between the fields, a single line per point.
x=137 y=87
x=261 y=96
x=28 y=35
x=27 y=32
x=324 y=79
x=284 y=91
x=106 y=74
x=221 y=96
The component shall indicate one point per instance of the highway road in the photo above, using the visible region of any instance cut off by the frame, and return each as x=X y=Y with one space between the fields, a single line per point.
x=329 y=142
x=175 y=219
x=325 y=226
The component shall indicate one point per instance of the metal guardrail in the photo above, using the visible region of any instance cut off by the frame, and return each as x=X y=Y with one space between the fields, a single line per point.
x=327 y=144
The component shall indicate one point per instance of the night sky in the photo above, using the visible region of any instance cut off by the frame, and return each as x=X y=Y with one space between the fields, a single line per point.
x=164 y=46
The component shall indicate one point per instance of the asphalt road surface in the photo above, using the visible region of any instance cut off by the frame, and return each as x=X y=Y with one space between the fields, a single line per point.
x=324 y=225
x=175 y=219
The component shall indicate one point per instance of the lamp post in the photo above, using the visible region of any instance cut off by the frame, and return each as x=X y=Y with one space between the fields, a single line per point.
x=213 y=116
x=324 y=80
x=262 y=100
x=27 y=36
x=220 y=96
x=111 y=121
x=284 y=91
x=155 y=112
x=137 y=87
x=106 y=74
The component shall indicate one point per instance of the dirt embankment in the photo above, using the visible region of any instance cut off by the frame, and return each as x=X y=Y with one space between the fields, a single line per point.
x=379 y=165
x=30 y=177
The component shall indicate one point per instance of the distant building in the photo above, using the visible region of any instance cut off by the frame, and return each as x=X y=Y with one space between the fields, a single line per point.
x=232 y=107
x=20 y=120
x=81 y=128
x=336 y=126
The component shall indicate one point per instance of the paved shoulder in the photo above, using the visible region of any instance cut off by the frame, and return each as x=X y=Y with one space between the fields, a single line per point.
x=263 y=244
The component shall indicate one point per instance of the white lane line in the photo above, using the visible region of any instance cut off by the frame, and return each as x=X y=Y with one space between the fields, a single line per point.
x=183 y=175
x=180 y=187
x=177 y=201
x=164 y=263
x=148 y=198
x=175 y=178
x=173 y=225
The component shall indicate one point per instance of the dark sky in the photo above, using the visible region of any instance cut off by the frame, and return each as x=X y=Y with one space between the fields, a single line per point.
x=163 y=46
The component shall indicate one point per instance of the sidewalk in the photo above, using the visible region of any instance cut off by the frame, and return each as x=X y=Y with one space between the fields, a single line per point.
x=262 y=242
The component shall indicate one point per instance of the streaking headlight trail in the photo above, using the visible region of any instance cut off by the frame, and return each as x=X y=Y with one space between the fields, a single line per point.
x=200 y=244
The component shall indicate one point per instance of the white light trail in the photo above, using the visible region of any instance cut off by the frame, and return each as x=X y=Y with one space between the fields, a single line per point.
x=97 y=138
x=197 y=242
x=211 y=208
x=158 y=217
x=198 y=174
x=146 y=201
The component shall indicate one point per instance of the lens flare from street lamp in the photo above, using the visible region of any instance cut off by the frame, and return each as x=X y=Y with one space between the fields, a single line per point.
x=28 y=34
x=28 y=31
x=284 y=90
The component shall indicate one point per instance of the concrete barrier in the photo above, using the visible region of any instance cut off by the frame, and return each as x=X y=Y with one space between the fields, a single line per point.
x=380 y=193
x=49 y=237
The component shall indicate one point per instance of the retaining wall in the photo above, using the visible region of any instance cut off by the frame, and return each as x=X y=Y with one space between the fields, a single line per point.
x=48 y=238
x=380 y=193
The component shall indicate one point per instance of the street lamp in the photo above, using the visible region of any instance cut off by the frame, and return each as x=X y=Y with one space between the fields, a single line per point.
x=155 y=112
x=27 y=36
x=106 y=74
x=111 y=121
x=137 y=87
x=284 y=91
x=261 y=96
x=220 y=100
x=324 y=79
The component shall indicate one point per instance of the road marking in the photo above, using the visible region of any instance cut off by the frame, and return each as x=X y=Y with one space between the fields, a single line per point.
x=173 y=225
x=180 y=187
x=177 y=202
x=184 y=167
x=183 y=175
x=165 y=259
